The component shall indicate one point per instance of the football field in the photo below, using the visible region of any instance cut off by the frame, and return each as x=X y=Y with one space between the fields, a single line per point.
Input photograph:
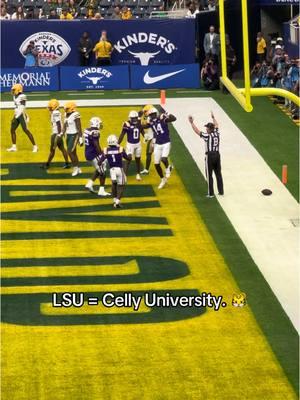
x=57 y=237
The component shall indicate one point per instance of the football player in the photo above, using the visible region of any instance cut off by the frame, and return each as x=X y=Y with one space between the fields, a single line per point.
x=72 y=127
x=20 y=118
x=161 y=142
x=114 y=155
x=56 y=135
x=133 y=129
x=148 y=137
x=93 y=154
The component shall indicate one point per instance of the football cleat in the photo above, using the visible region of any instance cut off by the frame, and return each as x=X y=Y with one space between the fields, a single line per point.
x=35 y=149
x=162 y=183
x=145 y=172
x=117 y=205
x=168 y=171
x=76 y=171
x=103 y=193
x=138 y=177
x=210 y=196
x=45 y=166
x=12 y=148
x=66 y=166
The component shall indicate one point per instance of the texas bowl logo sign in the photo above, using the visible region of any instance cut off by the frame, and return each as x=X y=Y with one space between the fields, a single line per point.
x=52 y=48
x=94 y=77
x=139 y=46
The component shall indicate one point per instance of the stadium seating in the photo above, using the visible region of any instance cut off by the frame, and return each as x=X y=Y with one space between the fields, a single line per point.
x=139 y=8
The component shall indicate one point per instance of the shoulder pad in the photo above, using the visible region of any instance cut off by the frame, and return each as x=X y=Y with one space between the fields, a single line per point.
x=76 y=115
x=23 y=97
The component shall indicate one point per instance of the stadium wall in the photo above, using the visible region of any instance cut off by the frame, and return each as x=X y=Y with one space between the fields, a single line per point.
x=141 y=42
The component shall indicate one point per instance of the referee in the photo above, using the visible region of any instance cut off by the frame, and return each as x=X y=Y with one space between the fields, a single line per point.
x=212 y=159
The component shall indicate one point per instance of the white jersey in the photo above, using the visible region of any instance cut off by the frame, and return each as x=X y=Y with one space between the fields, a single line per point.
x=55 y=117
x=71 y=124
x=19 y=108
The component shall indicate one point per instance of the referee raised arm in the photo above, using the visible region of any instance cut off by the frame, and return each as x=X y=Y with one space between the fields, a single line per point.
x=212 y=155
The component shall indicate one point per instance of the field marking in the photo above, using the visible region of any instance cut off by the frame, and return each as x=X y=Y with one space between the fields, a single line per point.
x=263 y=223
x=85 y=94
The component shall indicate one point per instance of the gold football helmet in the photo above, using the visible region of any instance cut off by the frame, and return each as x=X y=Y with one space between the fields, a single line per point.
x=53 y=104
x=16 y=89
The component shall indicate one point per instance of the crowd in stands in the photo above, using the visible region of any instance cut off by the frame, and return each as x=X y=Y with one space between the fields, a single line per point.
x=195 y=7
x=274 y=68
x=69 y=9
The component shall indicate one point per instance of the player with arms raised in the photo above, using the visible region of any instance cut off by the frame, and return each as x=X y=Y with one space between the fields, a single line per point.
x=161 y=141
x=93 y=154
x=114 y=155
x=148 y=137
x=20 y=118
x=72 y=127
x=56 y=135
x=133 y=129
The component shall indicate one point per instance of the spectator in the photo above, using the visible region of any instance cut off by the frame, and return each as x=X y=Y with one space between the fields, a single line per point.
x=126 y=13
x=271 y=52
x=4 y=13
x=45 y=10
x=209 y=74
x=53 y=15
x=279 y=41
x=103 y=50
x=211 y=43
x=90 y=13
x=98 y=16
x=211 y=5
x=260 y=47
x=85 y=48
x=19 y=14
x=59 y=7
x=73 y=9
x=31 y=55
x=66 y=15
x=230 y=61
x=192 y=11
x=116 y=14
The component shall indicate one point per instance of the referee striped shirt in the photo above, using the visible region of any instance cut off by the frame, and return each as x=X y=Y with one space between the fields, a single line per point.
x=212 y=141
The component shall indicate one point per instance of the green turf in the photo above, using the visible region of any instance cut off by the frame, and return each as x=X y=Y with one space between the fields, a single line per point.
x=281 y=334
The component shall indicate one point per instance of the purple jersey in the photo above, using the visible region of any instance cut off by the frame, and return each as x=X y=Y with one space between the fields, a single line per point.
x=132 y=131
x=160 y=129
x=114 y=156
x=91 y=138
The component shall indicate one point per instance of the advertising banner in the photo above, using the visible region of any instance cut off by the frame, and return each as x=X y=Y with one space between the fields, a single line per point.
x=33 y=79
x=165 y=76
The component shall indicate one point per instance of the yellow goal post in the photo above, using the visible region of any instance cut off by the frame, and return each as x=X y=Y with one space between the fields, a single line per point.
x=243 y=95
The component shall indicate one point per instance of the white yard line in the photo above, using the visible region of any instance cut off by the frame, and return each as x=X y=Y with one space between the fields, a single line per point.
x=263 y=223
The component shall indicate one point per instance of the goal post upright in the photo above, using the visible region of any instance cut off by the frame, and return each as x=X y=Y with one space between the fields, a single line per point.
x=243 y=95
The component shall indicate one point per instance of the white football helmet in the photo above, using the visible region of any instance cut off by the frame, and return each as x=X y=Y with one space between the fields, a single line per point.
x=96 y=122
x=153 y=113
x=112 y=140
x=133 y=117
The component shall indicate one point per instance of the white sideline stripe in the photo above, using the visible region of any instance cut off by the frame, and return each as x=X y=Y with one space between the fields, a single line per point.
x=263 y=223
x=85 y=94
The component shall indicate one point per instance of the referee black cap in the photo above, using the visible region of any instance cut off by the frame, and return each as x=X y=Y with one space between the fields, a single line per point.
x=210 y=125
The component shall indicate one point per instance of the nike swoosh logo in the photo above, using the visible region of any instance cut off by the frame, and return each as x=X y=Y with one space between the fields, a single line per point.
x=153 y=79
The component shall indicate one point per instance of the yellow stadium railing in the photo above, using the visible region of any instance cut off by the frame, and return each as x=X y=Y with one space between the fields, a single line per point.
x=243 y=96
